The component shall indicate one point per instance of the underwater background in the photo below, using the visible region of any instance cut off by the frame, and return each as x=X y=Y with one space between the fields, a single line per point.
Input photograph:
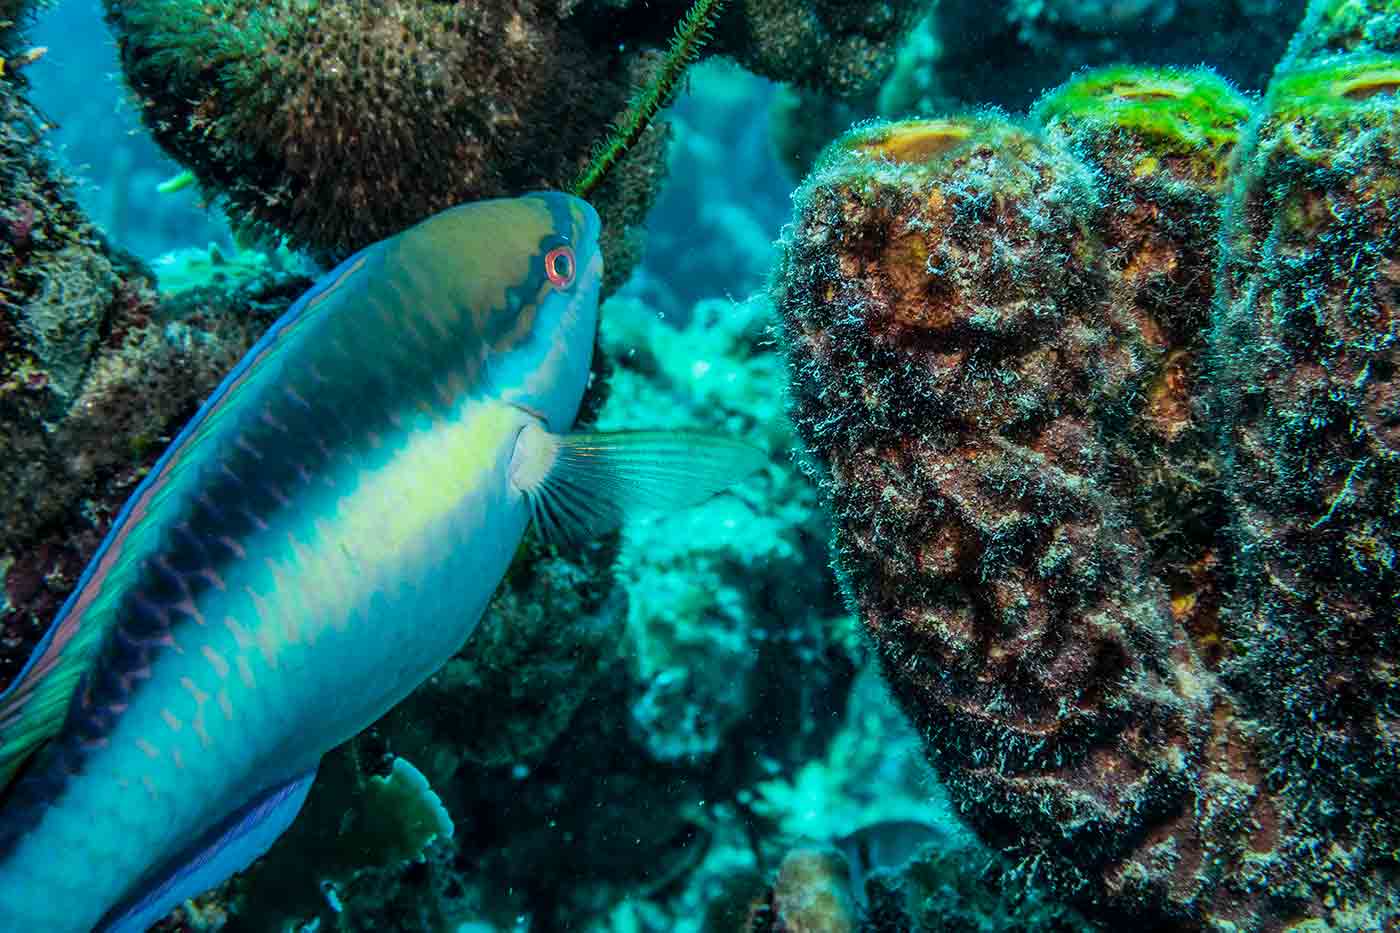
x=1069 y=598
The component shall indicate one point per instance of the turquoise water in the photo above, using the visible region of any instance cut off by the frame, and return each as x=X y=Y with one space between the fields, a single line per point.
x=713 y=720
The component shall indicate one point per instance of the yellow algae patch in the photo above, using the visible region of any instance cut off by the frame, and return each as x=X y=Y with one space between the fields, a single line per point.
x=915 y=141
x=1362 y=87
x=1159 y=90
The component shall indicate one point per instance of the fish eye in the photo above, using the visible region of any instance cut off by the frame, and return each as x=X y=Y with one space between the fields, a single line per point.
x=559 y=266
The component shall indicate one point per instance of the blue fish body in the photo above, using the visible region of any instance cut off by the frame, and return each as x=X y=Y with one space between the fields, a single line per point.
x=321 y=537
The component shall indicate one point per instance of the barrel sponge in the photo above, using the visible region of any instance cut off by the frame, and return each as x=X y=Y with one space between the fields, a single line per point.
x=1105 y=406
x=1160 y=142
x=337 y=123
x=1168 y=113
x=1306 y=338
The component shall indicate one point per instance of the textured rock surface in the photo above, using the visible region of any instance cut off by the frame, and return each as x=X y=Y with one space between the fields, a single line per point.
x=96 y=375
x=1133 y=578
x=1306 y=344
x=840 y=47
x=837 y=46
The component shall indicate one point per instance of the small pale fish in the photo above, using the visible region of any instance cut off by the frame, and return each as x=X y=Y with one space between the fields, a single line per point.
x=319 y=539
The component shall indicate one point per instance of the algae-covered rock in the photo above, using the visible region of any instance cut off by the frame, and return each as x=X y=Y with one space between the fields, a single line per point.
x=358 y=831
x=1161 y=142
x=839 y=47
x=1306 y=341
x=1340 y=26
x=402 y=816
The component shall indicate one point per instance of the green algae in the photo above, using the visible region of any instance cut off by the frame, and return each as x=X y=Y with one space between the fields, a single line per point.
x=689 y=39
x=1176 y=111
x=1365 y=86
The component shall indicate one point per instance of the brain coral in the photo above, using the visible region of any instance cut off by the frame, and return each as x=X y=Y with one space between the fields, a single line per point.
x=1106 y=413
x=339 y=123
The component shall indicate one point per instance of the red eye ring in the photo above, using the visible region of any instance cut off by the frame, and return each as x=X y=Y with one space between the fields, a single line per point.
x=560 y=267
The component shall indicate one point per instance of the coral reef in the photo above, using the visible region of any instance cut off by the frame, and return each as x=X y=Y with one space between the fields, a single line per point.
x=1348 y=26
x=339 y=129
x=1113 y=478
x=843 y=48
x=662 y=663
x=594 y=742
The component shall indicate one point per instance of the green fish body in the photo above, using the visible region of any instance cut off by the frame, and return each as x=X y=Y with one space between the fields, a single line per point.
x=321 y=538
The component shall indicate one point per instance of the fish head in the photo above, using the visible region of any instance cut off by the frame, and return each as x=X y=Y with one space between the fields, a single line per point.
x=514 y=283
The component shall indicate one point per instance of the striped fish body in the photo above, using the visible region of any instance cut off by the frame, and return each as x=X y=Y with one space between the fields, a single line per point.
x=323 y=535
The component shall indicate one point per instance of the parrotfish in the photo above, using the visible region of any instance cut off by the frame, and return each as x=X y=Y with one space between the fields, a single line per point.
x=321 y=537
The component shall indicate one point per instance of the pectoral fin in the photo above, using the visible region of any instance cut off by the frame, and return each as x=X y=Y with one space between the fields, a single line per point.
x=583 y=485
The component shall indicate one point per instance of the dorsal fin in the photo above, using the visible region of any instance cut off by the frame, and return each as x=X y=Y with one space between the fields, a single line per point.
x=33 y=708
